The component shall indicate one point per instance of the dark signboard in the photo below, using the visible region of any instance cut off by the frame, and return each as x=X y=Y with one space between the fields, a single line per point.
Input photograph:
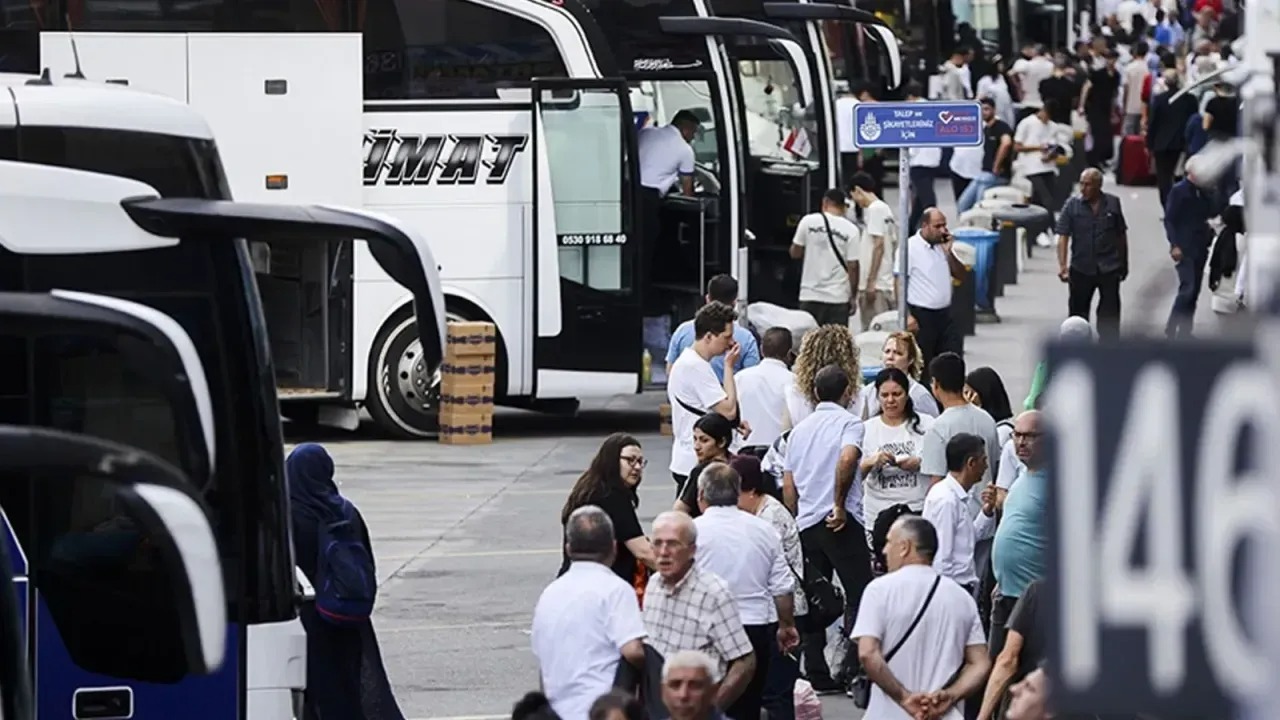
x=1163 y=468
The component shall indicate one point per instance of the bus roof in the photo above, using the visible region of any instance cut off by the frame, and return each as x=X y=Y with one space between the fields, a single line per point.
x=68 y=102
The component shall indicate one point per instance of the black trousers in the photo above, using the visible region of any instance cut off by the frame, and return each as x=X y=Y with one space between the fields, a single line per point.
x=827 y=313
x=1042 y=185
x=747 y=706
x=1001 y=609
x=846 y=554
x=922 y=195
x=1190 y=279
x=1166 y=163
x=1104 y=140
x=1080 y=290
x=937 y=334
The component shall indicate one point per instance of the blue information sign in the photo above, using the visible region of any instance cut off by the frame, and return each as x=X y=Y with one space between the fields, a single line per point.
x=917 y=124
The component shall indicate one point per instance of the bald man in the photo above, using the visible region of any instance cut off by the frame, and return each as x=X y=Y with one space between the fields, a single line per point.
x=931 y=266
x=1093 y=253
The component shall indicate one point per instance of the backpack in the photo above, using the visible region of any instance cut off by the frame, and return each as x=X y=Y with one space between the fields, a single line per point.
x=345 y=581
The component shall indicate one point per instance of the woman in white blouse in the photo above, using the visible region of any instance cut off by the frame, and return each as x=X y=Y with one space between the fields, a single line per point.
x=827 y=345
x=891 y=451
x=901 y=352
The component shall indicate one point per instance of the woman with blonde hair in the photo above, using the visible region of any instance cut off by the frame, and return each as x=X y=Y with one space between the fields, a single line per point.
x=901 y=352
x=826 y=345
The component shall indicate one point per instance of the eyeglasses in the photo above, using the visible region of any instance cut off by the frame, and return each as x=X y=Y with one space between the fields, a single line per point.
x=636 y=461
x=1026 y=435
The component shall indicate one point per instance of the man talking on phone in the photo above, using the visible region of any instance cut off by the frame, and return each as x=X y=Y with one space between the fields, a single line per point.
x=931 y=266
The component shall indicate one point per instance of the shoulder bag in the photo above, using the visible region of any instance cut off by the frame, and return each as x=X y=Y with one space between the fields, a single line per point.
x=826 y=602
x=861 y=687
x=831 y=240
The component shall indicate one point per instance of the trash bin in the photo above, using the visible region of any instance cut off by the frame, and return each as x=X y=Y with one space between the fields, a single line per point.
x=985 y=264
x=1033 y=218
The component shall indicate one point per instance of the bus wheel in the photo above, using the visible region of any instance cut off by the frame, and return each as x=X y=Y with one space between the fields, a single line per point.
x=403 y=394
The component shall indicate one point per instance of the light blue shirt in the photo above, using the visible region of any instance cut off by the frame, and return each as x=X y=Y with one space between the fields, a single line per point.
x=813 y=451
x=1018 y=555
x=683 y=338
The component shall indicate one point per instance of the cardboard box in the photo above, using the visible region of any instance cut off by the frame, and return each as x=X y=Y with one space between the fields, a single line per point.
x=464 y=339
x=466 y=394
x=466 y=425
x=468 y=371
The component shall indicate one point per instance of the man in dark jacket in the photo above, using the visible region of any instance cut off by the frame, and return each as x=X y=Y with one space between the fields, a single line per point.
x=1166 y=139
x=1186 y=224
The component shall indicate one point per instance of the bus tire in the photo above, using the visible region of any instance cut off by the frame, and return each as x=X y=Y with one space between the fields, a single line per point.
x=403 y=395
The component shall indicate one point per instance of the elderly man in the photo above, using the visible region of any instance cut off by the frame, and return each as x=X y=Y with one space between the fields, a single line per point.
x=587 y=620
x=746 y=552
x=689 y=686
x=688 y=608
x=1186 y=224
x=1093 y=252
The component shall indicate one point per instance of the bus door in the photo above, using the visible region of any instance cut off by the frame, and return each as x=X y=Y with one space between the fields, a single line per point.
x=98 y=617
x=760 y=270
x=585 y=295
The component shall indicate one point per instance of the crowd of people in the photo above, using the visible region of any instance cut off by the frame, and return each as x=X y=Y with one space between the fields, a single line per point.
x=904 y=516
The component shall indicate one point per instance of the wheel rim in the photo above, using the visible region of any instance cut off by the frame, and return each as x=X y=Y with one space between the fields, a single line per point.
x=419 y=386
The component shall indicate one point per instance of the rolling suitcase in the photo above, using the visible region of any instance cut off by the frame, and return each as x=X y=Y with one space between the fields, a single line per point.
x=1135 y=162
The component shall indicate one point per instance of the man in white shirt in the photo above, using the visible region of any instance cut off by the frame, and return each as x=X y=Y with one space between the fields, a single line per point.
x=746 y=552
x=666 y=159
x=879 y=248
x=586 y=621
x=954 y=85
x=828 y=245
x=946 y=507
x=1033 y=140
x=818 y=486
x=763 y=390
x=1135 y=76
x=931 y=266
x=1028 y=71
x=692 y=387
x=911 y=672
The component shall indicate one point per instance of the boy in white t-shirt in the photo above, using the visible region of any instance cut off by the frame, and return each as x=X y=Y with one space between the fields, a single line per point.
x=829 y=245
x=693 y=389
x=878 y=249
x=1035 y=136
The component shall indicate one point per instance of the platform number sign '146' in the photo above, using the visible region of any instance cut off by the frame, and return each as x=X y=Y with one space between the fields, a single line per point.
x=1161 y=517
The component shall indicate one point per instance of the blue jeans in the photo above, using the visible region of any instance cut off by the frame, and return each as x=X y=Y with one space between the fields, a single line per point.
x=780 y=685
x=972 y=194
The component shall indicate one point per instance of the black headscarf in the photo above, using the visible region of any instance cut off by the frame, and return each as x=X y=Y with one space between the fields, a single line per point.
x=313 y=493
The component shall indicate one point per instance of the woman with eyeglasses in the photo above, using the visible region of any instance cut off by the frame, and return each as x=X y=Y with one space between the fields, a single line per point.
x=610 y=483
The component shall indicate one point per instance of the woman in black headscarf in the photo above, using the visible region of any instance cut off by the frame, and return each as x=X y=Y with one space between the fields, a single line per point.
x=345 y=676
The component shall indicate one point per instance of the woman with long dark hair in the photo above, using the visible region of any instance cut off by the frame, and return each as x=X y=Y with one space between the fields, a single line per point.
x=984 y=388
x=891 y=451
x=345 y=674
x=712 y=435
x=610 y=483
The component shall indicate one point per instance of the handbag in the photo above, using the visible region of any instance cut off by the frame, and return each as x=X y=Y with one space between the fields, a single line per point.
x=861 y=685
x=826 y=602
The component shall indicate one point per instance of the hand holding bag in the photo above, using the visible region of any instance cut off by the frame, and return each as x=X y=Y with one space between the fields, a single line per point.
x=861 y=687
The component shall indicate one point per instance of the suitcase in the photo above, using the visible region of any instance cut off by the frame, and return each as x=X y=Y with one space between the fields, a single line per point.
x=1135 y=162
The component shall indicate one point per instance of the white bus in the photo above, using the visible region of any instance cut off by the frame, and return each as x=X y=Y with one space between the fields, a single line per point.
x=501 y=129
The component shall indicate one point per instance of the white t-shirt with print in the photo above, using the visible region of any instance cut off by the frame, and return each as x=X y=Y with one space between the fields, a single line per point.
x=880 y=221
x=692 y=381
x=822 y=278
x=890 y=485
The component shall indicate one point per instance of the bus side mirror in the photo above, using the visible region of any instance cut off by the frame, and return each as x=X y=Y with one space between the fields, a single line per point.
x=119 y=550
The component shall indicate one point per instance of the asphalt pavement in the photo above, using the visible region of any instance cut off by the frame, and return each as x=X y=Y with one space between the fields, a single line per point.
x=467 y=537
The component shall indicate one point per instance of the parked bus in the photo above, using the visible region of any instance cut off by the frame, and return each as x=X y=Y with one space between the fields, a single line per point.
x=478 y=118
x=143 y=172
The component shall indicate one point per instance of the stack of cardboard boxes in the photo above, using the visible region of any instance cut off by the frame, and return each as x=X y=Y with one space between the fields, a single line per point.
x=467 y=384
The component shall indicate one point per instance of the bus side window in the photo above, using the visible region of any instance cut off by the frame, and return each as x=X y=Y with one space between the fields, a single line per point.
x=451 y=49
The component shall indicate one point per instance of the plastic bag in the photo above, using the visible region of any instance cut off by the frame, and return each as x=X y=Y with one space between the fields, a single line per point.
x=808 y=704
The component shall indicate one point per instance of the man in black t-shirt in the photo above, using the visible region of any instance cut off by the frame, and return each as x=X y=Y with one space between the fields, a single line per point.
x=1099 y=102
x=1025 y=647
x=1063 y=90
x=997 y=155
